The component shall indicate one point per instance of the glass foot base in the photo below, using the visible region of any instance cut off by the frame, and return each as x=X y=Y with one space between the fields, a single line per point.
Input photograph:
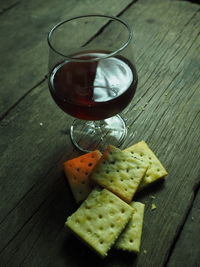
x=91 y=135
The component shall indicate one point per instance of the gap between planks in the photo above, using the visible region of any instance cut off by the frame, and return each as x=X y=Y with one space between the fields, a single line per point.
x=5 y=9
x=22 y=97
x=196 y=190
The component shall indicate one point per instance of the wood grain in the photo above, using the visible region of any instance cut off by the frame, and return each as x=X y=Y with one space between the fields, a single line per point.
x=165 y=112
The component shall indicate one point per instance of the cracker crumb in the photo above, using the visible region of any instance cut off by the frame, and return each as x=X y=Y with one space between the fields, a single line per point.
x=145 y=251
x=153 y=206
x=41 y=123
x=152 y=197
x=192 y=218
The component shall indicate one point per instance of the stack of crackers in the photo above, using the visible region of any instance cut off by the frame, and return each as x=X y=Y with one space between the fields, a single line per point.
x=106 y=184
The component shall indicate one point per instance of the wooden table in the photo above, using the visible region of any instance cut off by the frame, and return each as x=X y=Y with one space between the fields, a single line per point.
x=35 y=199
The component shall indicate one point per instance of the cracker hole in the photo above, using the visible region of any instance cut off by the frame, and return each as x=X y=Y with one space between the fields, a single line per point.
x=83 y=182
x=112 y=212
x=87 y=207
x=122 y=210
x=86 y=173
x=88 y=218
x=100 y=216
x=101 y=228
x=112 y=225
x=158 y=170
x=107 y=171
x=78 y=169
x=112 y=162
x=77 y=221
x=101 y=242
x=138 y=167
x=90 y=164
x=131 y=240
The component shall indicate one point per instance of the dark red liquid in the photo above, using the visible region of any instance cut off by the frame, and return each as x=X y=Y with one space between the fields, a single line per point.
x=93 y=90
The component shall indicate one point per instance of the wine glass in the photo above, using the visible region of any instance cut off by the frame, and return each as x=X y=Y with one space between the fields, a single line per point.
x=92 y=77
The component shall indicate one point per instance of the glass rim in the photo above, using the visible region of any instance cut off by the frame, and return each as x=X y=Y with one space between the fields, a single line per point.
x=124 y=45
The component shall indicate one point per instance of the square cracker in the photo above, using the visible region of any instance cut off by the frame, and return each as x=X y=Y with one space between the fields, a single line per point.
x=77 y=171
x=130 y=238
x=120 y=172
x=156 y=170
x=100 y=219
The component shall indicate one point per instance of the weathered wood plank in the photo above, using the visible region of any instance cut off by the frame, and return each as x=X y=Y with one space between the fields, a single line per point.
x=26 y=157
x=166 y=114
x=172 y=97
x=187 y=250
x=23 y=50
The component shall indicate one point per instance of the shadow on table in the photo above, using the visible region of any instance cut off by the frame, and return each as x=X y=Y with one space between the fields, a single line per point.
x=151 y=189
x=78 y=254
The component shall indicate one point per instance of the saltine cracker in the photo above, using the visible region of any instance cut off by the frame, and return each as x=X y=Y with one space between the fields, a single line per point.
x=130 y=238
x=120 y=172
x=156 y=170
x=77 y=171
x=99 y=220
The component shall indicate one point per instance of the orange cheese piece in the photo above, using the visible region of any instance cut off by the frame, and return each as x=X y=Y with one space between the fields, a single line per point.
x=77 y=171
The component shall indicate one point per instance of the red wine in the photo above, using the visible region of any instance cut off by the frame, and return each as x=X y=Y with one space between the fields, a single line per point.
x=93 y=90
